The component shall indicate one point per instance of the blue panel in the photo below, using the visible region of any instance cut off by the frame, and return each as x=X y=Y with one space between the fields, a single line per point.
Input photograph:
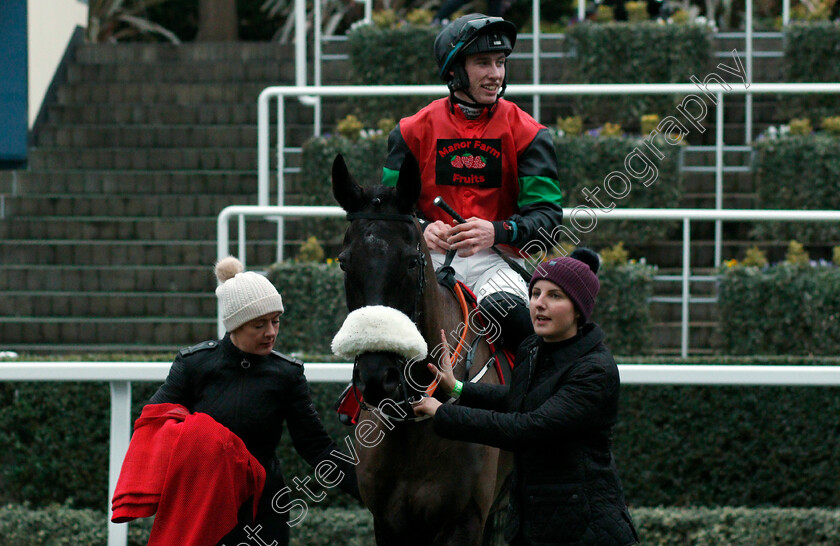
x=14 y=120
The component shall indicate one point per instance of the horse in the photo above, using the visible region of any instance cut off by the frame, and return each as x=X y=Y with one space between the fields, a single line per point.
x=420 y=488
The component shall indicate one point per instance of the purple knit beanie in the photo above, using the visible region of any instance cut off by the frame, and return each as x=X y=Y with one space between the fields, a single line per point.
x=575 y=274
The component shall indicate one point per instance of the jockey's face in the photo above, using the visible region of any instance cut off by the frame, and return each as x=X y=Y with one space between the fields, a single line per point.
x=486 y=72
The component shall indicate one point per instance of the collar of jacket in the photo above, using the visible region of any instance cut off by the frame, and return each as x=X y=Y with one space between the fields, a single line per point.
x=486 y=114
x=589 y=336
x=234 y=357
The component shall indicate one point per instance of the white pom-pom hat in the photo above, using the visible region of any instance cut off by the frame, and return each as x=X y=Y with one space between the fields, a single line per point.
x=377 y=328
x=244 y=296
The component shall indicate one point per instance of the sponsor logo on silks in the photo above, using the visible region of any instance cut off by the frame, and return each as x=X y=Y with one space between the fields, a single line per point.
x=469 y=162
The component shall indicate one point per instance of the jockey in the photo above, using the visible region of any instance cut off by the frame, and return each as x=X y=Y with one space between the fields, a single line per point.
x=488 y=159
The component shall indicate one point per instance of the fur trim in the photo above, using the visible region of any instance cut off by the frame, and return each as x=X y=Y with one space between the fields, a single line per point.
x=377 y=328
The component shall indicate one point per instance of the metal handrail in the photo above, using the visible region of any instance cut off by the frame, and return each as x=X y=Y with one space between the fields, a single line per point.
x=716 y=89
x=301 y=58
x=686 y=215
x=120 y=375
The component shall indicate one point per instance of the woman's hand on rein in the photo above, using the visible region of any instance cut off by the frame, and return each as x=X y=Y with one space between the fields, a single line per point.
x=427 y=406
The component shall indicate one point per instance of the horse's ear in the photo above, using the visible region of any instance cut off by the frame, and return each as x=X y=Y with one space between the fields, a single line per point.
x=408 y=184
x=345 y=189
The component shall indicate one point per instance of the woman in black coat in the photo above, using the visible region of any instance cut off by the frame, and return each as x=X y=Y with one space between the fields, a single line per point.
x=242 y=383
x=556 y=416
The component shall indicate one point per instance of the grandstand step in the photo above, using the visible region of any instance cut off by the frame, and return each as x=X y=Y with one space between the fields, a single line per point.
x=133 y=182
x=123 y=205
x=198 y=52
x=176 y=159
x=142 y=331
x=279 y=72
x=117 y=252
x=155 y=92
x=147 y=136
x=124 y=228
x=107 y=278
x=170 y=114
x=121 y=305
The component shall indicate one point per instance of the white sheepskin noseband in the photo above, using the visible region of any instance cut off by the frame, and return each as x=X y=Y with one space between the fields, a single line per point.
x=377 y=328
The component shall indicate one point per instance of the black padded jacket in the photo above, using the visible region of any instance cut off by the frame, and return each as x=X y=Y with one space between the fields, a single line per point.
x=556 y=416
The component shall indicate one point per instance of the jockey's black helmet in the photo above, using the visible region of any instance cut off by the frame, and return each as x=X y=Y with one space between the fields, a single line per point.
x=467 y=35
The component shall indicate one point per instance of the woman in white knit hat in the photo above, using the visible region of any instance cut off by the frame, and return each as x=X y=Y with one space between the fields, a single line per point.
x=251 y=389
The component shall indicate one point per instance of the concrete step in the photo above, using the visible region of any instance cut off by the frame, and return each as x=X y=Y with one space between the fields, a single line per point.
x=132 y=182
x=147 y=136
x=124 y=228
x=122 y=205
x=164 y=113
x=120 y=304
x=107 y=278
x=280 y=72
x=121 y=252
x=18 y=332
x=156 y=93
x=198 y=52
x=173 y=159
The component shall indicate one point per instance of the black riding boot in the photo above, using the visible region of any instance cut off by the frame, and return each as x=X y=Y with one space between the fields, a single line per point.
x=510 y=313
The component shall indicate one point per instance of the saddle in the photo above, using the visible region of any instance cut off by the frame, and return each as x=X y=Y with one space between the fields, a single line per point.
x=348 y=405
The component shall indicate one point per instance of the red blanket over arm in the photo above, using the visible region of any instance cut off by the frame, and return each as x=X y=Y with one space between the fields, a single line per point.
x=190 y=470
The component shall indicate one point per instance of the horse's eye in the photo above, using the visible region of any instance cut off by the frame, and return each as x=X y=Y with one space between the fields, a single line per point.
x=342 y=258
x=412 y=264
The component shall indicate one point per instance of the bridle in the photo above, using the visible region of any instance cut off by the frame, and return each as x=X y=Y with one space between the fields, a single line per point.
x=415 y=316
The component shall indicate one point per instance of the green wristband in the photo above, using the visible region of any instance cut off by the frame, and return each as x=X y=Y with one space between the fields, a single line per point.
x=456 y=390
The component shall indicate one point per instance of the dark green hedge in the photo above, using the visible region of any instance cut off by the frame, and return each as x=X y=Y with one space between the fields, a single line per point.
x=636 y=53
x=811 y=56
x=675 y=445
x=315 y=306
x=364 y=157
x=584 y=162
x=798 y=172
x=782 y=309
x=333 y=527
x=623 y=310
x=622 y=307
x=397 y=56
x=744 y=446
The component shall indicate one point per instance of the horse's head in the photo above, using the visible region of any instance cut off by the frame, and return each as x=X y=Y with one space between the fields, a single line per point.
x=383 y=262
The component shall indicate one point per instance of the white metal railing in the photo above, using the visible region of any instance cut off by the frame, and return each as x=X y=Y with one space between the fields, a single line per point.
x=712 y=89
x=315 y=101
x=120 y=375
x=686 y=215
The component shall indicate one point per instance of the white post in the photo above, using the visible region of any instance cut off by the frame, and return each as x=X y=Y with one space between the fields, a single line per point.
x=222 y=250
x=120 y=435
x=785 y=13
x=300 y=42
x=536 y=61
x=581 y=10
x=719 y=180
x=317 y=67
x=686 y=291
x=748 y=110
x=241 y=239
x=281 y=167
x=262 y=149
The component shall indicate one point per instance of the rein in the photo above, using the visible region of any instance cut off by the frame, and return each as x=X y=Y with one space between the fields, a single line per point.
x=415 y=317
